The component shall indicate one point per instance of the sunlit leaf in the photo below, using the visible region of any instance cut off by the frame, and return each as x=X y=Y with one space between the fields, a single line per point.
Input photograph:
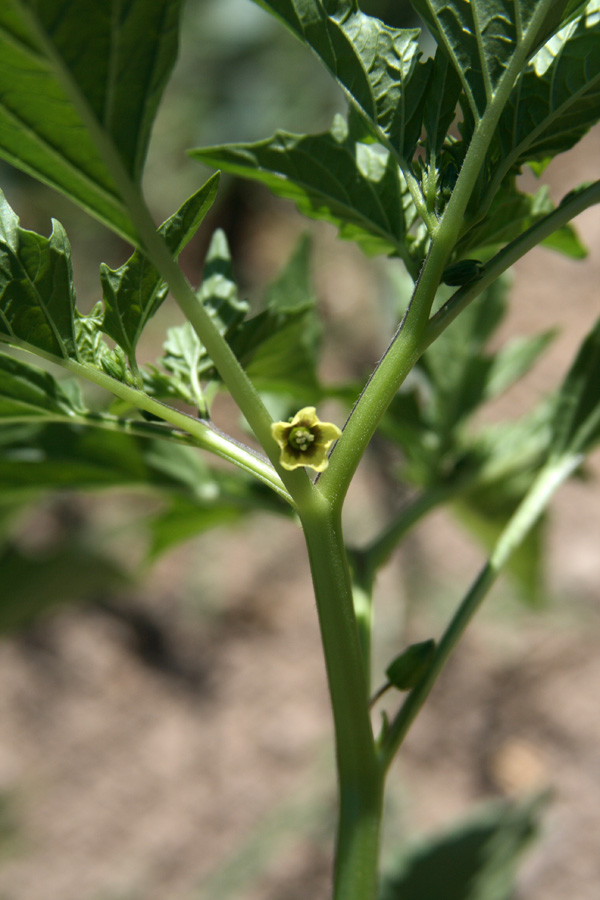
x=376 y=65
x=69 y=70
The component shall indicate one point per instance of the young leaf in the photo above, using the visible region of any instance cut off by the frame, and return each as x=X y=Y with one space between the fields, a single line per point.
x=332 y=176
x=68 y=70
x=278 y=346
x=37 y=297
x=377 y=66
x=440 y=103
x=134 y=292
x=185 y=359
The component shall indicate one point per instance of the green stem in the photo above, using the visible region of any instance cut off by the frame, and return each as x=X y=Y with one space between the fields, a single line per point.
x=527 y=514
x=378 y=552
x=194 y=431
x=359 y=776
x=239 y=385
x=570 y=207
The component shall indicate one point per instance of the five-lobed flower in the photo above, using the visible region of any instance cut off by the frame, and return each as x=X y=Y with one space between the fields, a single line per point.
x=305 y=440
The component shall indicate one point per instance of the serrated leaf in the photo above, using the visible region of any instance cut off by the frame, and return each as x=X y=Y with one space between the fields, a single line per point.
x=576 y=426
x=27 y=392
x=185 y=361
x=278 y=346
x=134 y=292
x=37 y=297
x=557 y=100
x=376 y=65
x=68 y=68
x=474 y=860
x=335 y=177
x=481 y=38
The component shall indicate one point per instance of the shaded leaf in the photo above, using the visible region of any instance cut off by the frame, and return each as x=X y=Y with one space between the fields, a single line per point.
x=481 y=38
x=511 y=213
x=185 y=361
x=184 y=520
x=576 y=427
x=334 y=176
x=32 y=585
x=440 y=102
x=278 y=346
x=557 y=100
x=27 y=392
x=68 y=68
x=37 y=297
x=474 y=860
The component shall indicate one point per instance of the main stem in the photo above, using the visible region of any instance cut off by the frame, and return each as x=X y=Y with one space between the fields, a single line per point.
x=360 y=780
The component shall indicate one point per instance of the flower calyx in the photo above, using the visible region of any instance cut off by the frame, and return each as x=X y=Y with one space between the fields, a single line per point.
x=305 y=440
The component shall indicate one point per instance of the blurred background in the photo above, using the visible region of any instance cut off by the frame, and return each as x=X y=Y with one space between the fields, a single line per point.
x=165 y=727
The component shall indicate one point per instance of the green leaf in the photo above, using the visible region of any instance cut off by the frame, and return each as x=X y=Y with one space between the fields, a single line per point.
x=376 y=65
x=510 y=214
x=514 y=360
x=478 y=515
x=474 y=860
x=576 y=427
x=184 y=520
x=69 y=70
x=134 y=292
x=440 y=103
x=557 y=100
x=27 y=392
x=37 y=297
x=481 y=38
x=33 y=585
x=355 y=186
x=279 y=346
x=185 y=361
x=39 y=458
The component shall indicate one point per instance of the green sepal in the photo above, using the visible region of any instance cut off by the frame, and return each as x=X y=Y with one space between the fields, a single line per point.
x=462 y=272
x=407 y=669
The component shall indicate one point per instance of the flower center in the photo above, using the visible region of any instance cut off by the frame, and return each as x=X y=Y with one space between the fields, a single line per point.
x=300 y=438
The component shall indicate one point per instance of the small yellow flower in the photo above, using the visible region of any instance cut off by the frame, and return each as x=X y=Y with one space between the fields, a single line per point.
x=305 y=440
